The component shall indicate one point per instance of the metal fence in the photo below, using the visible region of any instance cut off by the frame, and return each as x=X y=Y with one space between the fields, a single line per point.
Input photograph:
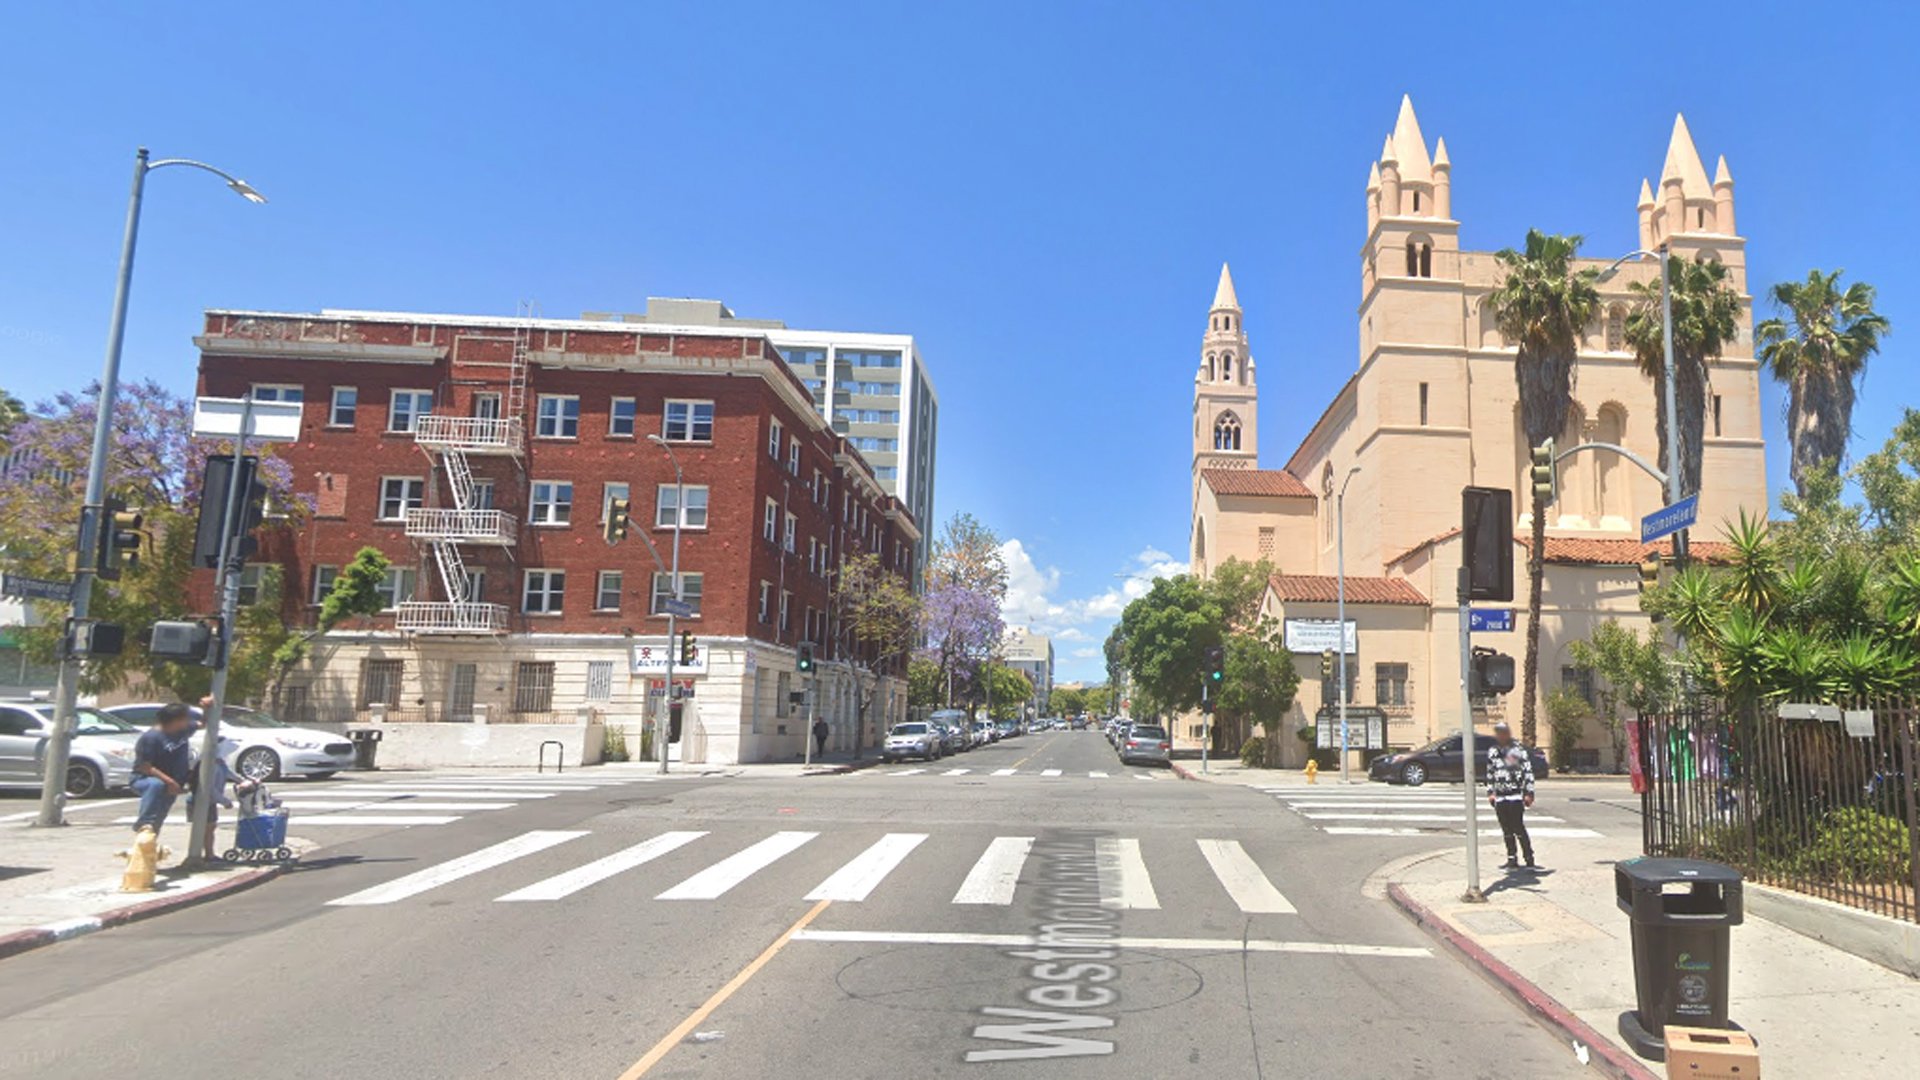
x=1823 y=806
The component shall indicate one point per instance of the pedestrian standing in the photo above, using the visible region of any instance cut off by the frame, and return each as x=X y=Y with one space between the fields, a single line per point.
x=1510 y=790
x=820 y=732
x=162 y=765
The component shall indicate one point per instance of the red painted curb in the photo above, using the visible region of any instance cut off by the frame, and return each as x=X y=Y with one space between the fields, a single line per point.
x=842 y=770
x=1181 y=771
x=25 y=940
x=1609 y=1059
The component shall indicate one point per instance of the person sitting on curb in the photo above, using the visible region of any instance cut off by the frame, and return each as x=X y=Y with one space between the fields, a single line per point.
x=162 y=765
x=1510 y=790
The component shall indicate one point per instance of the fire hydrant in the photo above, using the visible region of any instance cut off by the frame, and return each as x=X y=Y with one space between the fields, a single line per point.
x=143 y=858
x=1313 y=771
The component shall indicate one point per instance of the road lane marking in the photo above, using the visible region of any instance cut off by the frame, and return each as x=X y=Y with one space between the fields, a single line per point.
x=715 y=880
x=1346 y=805
x=411 y=792
x=956 y=772
x=1144 y=776
x=1015 y=941
x=1409 y=817
x=1563 y=834
x=1049 y=772
x=1242 y=879
x=909 y=772
x=1003 y=772
x=694 y=1019
x=993 y=877
x=1377 y=830
x=1096 y=776
x=453 y=870
x=562 y=885
x=1123 y=875
x=329 y=806
x=341 y=819
x=866 y=870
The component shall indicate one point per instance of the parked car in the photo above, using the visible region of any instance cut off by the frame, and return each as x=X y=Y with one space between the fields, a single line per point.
x=1440 y=760
x=1148 y=743
x=264 y=748
x=984 y=733
x=1007 y=728
x=953 y=725
x=100 y=761
x=912 y=739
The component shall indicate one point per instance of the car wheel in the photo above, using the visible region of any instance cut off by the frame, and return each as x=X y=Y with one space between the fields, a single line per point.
x=83 y=780
x=1413 y=774
x=258 y=763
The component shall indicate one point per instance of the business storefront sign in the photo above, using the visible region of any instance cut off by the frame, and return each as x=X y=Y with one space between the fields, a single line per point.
x=1320 y=635
x=649 y=656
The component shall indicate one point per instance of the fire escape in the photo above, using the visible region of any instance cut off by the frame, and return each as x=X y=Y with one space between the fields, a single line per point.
x=451 y=441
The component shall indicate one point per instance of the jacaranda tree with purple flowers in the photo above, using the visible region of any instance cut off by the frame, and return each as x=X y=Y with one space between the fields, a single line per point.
x=966 y=583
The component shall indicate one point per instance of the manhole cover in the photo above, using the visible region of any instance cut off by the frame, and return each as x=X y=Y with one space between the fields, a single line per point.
x=1491 y=922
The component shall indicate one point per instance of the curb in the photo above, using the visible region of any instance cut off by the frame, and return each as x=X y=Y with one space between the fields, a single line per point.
x=842 y=770
x=1182 y=771
x=1609 y=1059
x=21 y=941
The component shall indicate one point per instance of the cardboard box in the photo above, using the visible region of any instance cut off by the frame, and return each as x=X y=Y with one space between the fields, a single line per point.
x=1711 y=1054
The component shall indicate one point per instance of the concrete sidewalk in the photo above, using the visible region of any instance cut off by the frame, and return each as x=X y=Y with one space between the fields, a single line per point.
x=1559 y=945
x=833 y=763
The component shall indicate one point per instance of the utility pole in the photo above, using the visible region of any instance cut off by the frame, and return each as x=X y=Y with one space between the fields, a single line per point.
x=228 y=586
x=662 y=724
x=1340 y=529
x=1467 y=741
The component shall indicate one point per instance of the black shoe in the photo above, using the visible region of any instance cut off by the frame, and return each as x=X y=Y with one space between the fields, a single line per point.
x=1513 y=864
x=1534 y=866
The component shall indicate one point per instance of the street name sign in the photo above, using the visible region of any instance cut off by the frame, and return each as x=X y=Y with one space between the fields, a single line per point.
x=678 y=608
x=29 y=588
x=1669 y=519
x=1491 y=620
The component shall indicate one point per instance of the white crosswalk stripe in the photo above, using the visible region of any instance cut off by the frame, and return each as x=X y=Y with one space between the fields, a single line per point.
x=465 y=866
x=1049 y=772
x=956 y=772
x=1096 y=776
x=1123 y=875
x=1376 y=810
x=715 y=880
x=993 y=877
x=1004 y=772
x=1242 y=878
x=855 y=880
x=563 y=885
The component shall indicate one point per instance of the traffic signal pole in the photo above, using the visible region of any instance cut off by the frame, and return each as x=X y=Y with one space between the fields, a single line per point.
x=1467 y=742
x=205 y=792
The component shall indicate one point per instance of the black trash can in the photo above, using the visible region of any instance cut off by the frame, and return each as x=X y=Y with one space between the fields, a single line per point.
x=366 y=747
x=1683 y=912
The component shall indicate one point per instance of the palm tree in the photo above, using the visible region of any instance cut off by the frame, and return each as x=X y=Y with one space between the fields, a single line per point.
x=1541 y=307
x=1706 y=315
x=1819 y=358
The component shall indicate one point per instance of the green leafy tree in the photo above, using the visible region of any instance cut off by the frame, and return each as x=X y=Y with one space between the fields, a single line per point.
x=1010 y=690
x=877 y=617
x=1633 y=673
x=1167 y=633
x=1261 y=682
x=1237 y=587
x=1706 y=315
x=1889 y=479
x=1817 y=349
x=1541 y=306
x=355 y=593
x=925 y=687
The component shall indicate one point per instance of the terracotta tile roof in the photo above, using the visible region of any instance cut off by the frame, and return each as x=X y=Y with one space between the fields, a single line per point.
x=1621 y=551
x=1428 y=542
x=1320 y=588
x=1269 y=483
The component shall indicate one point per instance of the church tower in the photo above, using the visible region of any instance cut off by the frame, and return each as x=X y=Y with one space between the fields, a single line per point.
x=1226 y=424
x=1689 y=212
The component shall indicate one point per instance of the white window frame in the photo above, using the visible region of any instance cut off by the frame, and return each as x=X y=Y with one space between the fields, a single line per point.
x=413 y=412
x=766 y=602
x=793 y=455
x=251 y=575
x=610 y=491
x=333 y=407
x=666 y=507
x=324 y=575
x=632 y=418
x=692 y=585
x=770 y=527
x=399 y=586
x=483 y=494
x=600 y=587
x=691 y=407
x=535 y=516
x=773 y=440
x=552 y=599
x=792 y=543
x=278 y=392
x=560 y=418
x=476 y=586
x=418 y=499
x=786 y=605
x=486 y=405
x=599 y=680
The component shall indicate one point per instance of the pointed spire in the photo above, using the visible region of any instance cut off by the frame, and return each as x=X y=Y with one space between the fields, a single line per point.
x=1373 y=177
x=1720 y=173
x=1386 y=153
x=1683 y=163
x=1409 y=145
x=1646 y=194
x=1440 y=159
x=1223 y=295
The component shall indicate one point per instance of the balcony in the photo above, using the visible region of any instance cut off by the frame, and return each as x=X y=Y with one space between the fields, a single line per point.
x=422 y=617
x=463 y=526
x=470 y=434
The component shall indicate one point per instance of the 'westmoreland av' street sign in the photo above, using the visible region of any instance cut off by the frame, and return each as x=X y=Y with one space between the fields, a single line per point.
x=1669 y=519
x=27 y=588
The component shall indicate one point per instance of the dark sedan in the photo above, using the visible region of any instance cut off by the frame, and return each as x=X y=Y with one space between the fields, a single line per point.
x=1440 y=760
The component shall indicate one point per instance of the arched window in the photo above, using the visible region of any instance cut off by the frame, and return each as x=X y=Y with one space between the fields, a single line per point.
x=1226 y=432
x=1226 y=367
x=1416 y=202
x=1212 y=370
x=1426 y=260
x=1413 y=259
x=1617 y=328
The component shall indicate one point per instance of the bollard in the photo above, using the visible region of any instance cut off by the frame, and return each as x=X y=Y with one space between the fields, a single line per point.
x=143 y=858
x=1313 y=771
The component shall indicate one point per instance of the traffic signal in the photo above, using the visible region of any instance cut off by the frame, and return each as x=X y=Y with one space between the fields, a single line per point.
x=1492 y=672
x=688 y=653
x=119 y=540
x=1326 y=665
x=215 y=483
x=805 y=659
x=619 y=516
x=1546 y=482
x=1216 y=664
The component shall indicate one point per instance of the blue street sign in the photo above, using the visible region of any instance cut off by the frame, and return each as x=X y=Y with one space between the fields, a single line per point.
x=1669 y=519
x=679 y=608
x=1491 y=620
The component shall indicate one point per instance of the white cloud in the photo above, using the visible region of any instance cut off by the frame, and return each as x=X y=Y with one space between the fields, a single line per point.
x=1034 y=599
x=1085 y=654
x=1071 y=633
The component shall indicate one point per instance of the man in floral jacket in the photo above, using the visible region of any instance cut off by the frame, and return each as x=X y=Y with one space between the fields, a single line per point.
x=1510 y=790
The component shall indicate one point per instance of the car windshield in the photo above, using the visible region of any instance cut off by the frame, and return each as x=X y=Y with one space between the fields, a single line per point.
x=1448 y=743
x=94 y=722
x=909 y=729
x=248 y=718
x=1146 y=732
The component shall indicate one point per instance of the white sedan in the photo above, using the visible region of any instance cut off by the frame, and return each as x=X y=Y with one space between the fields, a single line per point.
x=264 y=748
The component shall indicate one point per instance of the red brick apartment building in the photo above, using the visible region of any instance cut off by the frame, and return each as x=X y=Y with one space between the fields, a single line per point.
x=480 y=455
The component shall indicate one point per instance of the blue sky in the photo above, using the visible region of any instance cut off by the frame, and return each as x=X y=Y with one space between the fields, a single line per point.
x=1041 y=192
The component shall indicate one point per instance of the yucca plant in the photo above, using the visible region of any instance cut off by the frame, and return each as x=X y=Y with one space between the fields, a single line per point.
x=1694 y=601
x=1802 y=665
x=1753 y=569
x=1745 y=667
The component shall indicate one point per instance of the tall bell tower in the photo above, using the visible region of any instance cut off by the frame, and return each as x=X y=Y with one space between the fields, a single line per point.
x=1226 y=420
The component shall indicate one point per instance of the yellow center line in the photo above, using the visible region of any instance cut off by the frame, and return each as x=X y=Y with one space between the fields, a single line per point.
x=1028 y=758
x=677 y=1035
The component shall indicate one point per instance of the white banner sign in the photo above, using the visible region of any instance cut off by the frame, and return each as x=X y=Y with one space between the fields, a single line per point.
x=649 y=657
x=1320 y=635
x=267 y=421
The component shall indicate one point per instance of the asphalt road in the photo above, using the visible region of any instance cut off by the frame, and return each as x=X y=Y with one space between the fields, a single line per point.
x=887 y=923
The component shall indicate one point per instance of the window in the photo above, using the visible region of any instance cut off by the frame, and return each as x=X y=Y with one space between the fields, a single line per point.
x=397 y=588
x=558 y=417
x=533 y=686
x=1617 y=328
x=1580 y=681
x=278 y=392
x=790 y=543
x=407 y=407
x=1226 y=367
x=380 y=682
x=1226 y=432
x=1716 y=416
x=873 y=443
x=869 y=359
x=552 y=502
x=482 y=495
x=886 y=472
x=687 y=421
x=786 y=601
x=346 y=400
x=608 y=493
x=772 y=521
x=1416 y=202
x=545 y=589
x=251 y=575
x=663 y=590
x=1423 y=404
x=1389 y=684
x=606 y=593
x=599 y=680
x=793 y=456
x=486 y=406
x=879 y=389
x=773 y=441
x=1266 y=543
x=475 y=584
x=871 y=416
x=620 y=416
x=694 y=516
x=323 y=577
x=399 y=494
x=766 y=602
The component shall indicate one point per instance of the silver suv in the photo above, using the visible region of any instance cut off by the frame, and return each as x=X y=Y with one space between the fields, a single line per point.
x=102 y=756
x=912 y=739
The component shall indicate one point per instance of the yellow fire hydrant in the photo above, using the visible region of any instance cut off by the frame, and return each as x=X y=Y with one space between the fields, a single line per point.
x=1313 y=771
x=143 y=858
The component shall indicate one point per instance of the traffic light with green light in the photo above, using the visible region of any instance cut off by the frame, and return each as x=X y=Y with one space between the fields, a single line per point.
x=1546 y=481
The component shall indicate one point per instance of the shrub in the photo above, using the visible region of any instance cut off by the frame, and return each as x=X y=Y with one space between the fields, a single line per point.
x=613 y=747
x=1854 y=843
x=1253 y=752
x=1567 y=715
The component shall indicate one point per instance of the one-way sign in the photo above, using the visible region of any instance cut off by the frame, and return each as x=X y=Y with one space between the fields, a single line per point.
x=1669 y=519
x=28 y=588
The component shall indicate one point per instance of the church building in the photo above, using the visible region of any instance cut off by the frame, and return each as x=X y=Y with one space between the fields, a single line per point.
x=1432 y=407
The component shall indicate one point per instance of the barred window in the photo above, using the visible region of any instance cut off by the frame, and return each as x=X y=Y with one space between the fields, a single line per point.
x=599 y=680
x=1389 y=684
x=380 y=682
x=533 y=687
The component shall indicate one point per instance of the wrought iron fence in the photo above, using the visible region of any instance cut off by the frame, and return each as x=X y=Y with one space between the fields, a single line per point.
x=1823 y=805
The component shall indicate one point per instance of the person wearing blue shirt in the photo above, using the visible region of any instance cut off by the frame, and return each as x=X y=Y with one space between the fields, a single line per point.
x=162 y=765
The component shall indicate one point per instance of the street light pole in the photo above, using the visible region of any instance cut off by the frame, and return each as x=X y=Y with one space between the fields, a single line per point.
x=1670 y=382
x=53 y=791
x=1340 y=562
x=661 y=723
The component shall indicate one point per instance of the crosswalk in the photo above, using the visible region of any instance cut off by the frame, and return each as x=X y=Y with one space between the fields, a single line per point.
x=1049 y=774
x=422 y=801
x=707 y=867
x=1378 y=810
